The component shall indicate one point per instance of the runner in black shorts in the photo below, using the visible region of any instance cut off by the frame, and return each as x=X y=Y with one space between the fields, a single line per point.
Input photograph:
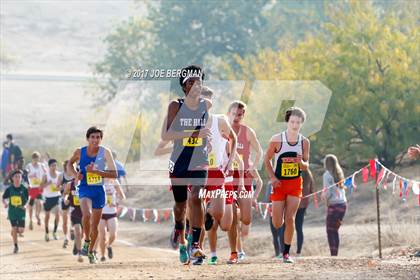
x=71 y=198
x=17 y=196
x=185 y=126
x=63 y=180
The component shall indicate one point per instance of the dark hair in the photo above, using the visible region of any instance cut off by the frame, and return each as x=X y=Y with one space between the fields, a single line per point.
x=92 y=130
x=9 y=136
x=206 y=91
x=14 y=172
x=191 y=70
x=237 y=104
x=51 y=161
x=295 y=111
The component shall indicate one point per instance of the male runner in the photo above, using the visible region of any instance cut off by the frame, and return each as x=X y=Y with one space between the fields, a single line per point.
x=247 y=141
x=65 y=177
x=71 y=198
x=95 y=163
x=185 y=126
x=17 y=196
x=52 y=194
x=109 y=219
x=291 y=152
x=36 y=172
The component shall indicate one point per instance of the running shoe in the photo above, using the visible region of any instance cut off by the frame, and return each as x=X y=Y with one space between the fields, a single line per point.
x=55 y=235
x=92 y=258
x=198 y=261
x=287 y=259
x=75 y=251
x=241 y=256
x=47 y=237
x=16 y=249
x=79 y=258
x=197 y=254
x=103 y=259
x=110 y=254
x=31 y=225
x=233 y=259
x=65 y=244
x=212 y=260
x=84 y=251
x=174 y=239
x=183 y=254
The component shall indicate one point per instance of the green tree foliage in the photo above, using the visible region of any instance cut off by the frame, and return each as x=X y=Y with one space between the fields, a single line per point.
x=370 y=61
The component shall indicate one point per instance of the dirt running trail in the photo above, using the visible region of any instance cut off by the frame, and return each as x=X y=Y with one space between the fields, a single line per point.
x=40 y=260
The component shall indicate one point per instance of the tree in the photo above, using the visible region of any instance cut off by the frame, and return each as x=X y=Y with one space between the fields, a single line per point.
x=369 y=59
x=176 y=33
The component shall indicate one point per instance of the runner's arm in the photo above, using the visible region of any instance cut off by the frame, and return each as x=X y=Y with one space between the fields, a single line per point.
x=271 y=150
x=111 y=169
x=5 y=196
x=258 y=183
x=228 y=132
x=60 y=181
x=162 y=148
x=70 y=164
x=304 y=161
x=240 y=169
x=167 y=133
x=255 y=144
x=120 y=192
x=44 y=182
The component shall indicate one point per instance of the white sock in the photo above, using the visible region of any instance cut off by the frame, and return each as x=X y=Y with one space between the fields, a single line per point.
x=213 y=254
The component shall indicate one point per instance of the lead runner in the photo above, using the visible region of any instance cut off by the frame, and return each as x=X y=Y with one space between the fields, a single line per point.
x=185 y=125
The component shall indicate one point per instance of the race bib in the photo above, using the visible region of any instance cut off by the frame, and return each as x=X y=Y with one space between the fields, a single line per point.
x=93 y=179
x=212 y=160
x=289 y=169
x=35 y=182
x=192 y=142
x=109 y=199
x=53 y=188
x=76 y=201
x=16 y=201
x=235 y=164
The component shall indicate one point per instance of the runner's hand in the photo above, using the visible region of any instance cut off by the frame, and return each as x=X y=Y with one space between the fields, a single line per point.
x=254 y=203
x=204 y=133
x=79 y=177
x=91 y=167
x=275 y=182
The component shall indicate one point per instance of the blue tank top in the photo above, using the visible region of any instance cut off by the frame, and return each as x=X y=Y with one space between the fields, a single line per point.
x=191 y=152
x=90 y=179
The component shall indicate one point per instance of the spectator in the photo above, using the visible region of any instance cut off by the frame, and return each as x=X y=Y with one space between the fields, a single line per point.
x=14 y=151
x=335 y=196
x=5 y=166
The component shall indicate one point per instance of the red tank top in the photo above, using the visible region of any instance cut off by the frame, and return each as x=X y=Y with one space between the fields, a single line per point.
x=243 y=146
